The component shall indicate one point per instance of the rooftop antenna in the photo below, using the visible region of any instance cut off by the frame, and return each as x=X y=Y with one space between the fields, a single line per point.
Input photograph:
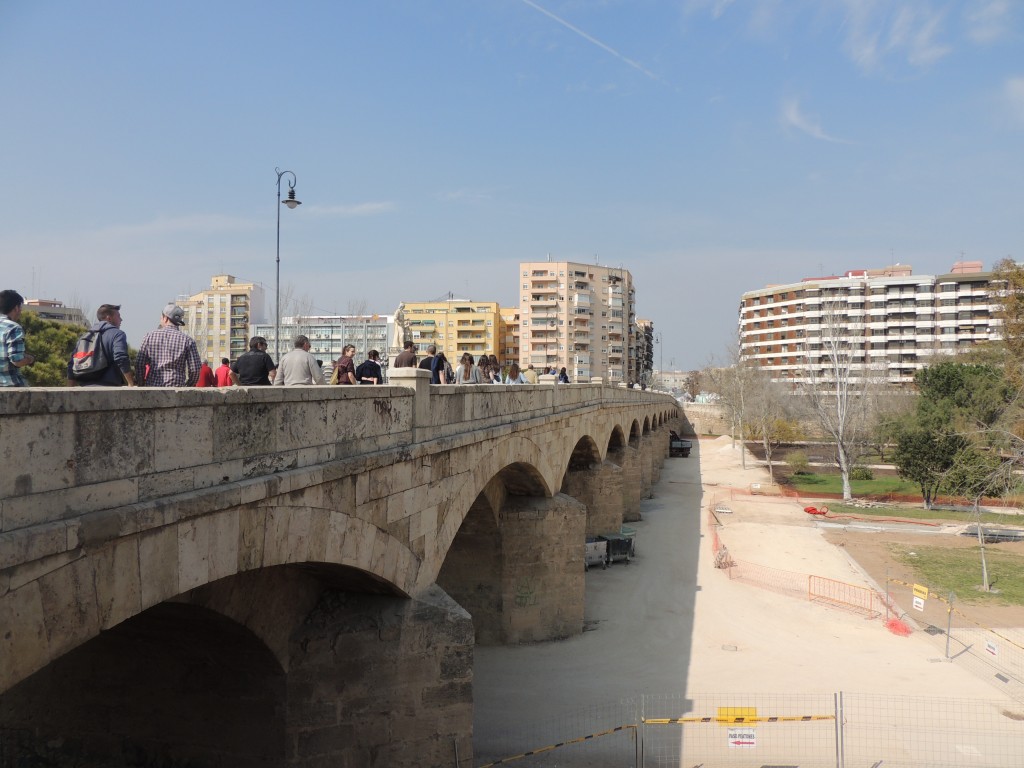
x=549 y=257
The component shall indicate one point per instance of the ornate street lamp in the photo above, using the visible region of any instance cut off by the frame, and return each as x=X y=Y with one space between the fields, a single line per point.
x=291 y=202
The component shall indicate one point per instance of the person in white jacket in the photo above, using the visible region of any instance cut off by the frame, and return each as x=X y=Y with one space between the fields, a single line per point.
x=298 y=367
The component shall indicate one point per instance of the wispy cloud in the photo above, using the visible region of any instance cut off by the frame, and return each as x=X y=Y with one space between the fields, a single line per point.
x=873 y=34
x=465 y=195
x=607 y=48
x=171 y=225
x=988 y=20
x=357 y=211
x=1013 y=95
x=794 y=117
x=718 y=7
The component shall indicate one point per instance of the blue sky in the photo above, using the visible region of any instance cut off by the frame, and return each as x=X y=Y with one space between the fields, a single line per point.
x=709 y=146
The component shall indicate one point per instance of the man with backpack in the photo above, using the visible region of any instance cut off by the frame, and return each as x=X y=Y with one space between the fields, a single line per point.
x=101 y=357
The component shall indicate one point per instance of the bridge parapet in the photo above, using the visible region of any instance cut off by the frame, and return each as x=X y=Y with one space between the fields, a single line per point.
x=71 y=452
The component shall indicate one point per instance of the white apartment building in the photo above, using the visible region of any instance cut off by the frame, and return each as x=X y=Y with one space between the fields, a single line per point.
x=891 y=321
x=578 y=317
x=328 y=335
x=219 y=317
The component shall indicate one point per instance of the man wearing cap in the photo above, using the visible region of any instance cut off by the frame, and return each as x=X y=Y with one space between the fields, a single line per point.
x=115 y=345
x=168 y=356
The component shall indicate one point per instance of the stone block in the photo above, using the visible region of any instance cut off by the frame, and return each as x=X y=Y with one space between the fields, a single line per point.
x=24 y=511
x=158 y=565
x=183 y=438
x=118 y=583
x=114 y=444
x=34 y=543
x=193 y=553
x=24 y=646
x=69 y=605
x=37 y=452
x=252 y=535
x=224 y=536
x=244 y=430
x=162 y=484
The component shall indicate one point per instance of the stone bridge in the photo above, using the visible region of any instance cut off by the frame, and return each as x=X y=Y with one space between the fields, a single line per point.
x=293 y=576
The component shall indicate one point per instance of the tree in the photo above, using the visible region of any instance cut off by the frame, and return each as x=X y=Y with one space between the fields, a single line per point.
x=768 y=414
x=51 y=343
x=734 y=384
x=924 y=457
x=840 y=388
x=975 y=474
x=1008 y=291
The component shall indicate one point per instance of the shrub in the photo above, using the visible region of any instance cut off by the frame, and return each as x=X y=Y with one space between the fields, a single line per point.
x=861 y=473
x=798 y=462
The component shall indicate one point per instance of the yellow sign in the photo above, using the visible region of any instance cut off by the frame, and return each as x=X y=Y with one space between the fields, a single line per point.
x=736 y=714
x=920 y=591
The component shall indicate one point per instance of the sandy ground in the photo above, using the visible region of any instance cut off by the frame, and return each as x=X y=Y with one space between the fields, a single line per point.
x=670 y=623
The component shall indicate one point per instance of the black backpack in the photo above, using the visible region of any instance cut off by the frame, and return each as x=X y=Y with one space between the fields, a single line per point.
x=89 y=361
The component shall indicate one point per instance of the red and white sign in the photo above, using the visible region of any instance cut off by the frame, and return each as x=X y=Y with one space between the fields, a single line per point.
x=742 y=738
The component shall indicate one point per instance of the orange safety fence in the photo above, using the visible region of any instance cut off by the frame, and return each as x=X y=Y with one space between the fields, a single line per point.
x=863 y=600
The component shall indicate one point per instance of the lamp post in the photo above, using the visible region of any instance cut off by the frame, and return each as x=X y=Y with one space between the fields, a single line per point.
x=291 y=202
x=661 y=357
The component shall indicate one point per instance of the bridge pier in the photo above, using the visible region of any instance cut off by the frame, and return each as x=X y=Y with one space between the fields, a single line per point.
x=599 y=489
x=628 y=458
x=542 y=578
x=381 y=681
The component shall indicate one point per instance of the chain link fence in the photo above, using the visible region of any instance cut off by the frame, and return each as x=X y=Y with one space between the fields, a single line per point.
x=837 y=730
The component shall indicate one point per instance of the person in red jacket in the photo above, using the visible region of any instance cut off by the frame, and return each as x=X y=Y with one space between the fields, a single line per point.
x=224 y=373
x=206 y=377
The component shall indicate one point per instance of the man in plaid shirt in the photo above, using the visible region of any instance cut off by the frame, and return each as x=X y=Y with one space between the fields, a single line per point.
x=168 y=356
x=12 y=341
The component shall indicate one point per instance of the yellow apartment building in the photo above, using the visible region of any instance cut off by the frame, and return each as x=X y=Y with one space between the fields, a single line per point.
x=456 y=326
x=219 y=317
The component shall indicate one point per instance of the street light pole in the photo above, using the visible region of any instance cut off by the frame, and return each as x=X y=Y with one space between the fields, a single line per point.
x=292 y=203
x=661 y=357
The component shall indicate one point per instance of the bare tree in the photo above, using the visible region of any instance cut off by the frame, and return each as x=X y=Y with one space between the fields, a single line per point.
x=734 y=384
x=840 y=386
x=769 y=409
x=357 y=307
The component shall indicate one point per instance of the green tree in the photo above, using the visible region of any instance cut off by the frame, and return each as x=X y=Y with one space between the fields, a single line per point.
x=924 y=457
x=1007 y=289
x=52 y=344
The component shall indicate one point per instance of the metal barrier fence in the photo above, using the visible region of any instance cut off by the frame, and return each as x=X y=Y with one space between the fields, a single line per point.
x=838 y=730
x=992 y=652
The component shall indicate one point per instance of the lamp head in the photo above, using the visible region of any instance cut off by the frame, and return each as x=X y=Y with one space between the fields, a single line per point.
x=291 y=202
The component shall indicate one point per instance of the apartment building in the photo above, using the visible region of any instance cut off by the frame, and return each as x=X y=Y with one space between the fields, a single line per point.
x=328 y=335
x=578 y=316
x=219 y=317
x=51 y=309
x=891 y=321
x=456 y=326
x=643 y=371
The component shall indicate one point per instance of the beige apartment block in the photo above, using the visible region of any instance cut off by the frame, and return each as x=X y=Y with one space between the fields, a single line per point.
x=892 y=321
x=456 y=326
x=578 y=317
x=219 y=317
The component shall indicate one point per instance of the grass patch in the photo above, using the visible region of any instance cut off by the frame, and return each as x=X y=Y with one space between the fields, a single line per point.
x=822 y=483
x=959 y=570
x=931 y=515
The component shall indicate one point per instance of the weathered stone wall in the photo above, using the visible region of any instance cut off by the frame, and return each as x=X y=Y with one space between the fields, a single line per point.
x=543 y=575
x=631 y=482
x=381 y=682
x=599 y=489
